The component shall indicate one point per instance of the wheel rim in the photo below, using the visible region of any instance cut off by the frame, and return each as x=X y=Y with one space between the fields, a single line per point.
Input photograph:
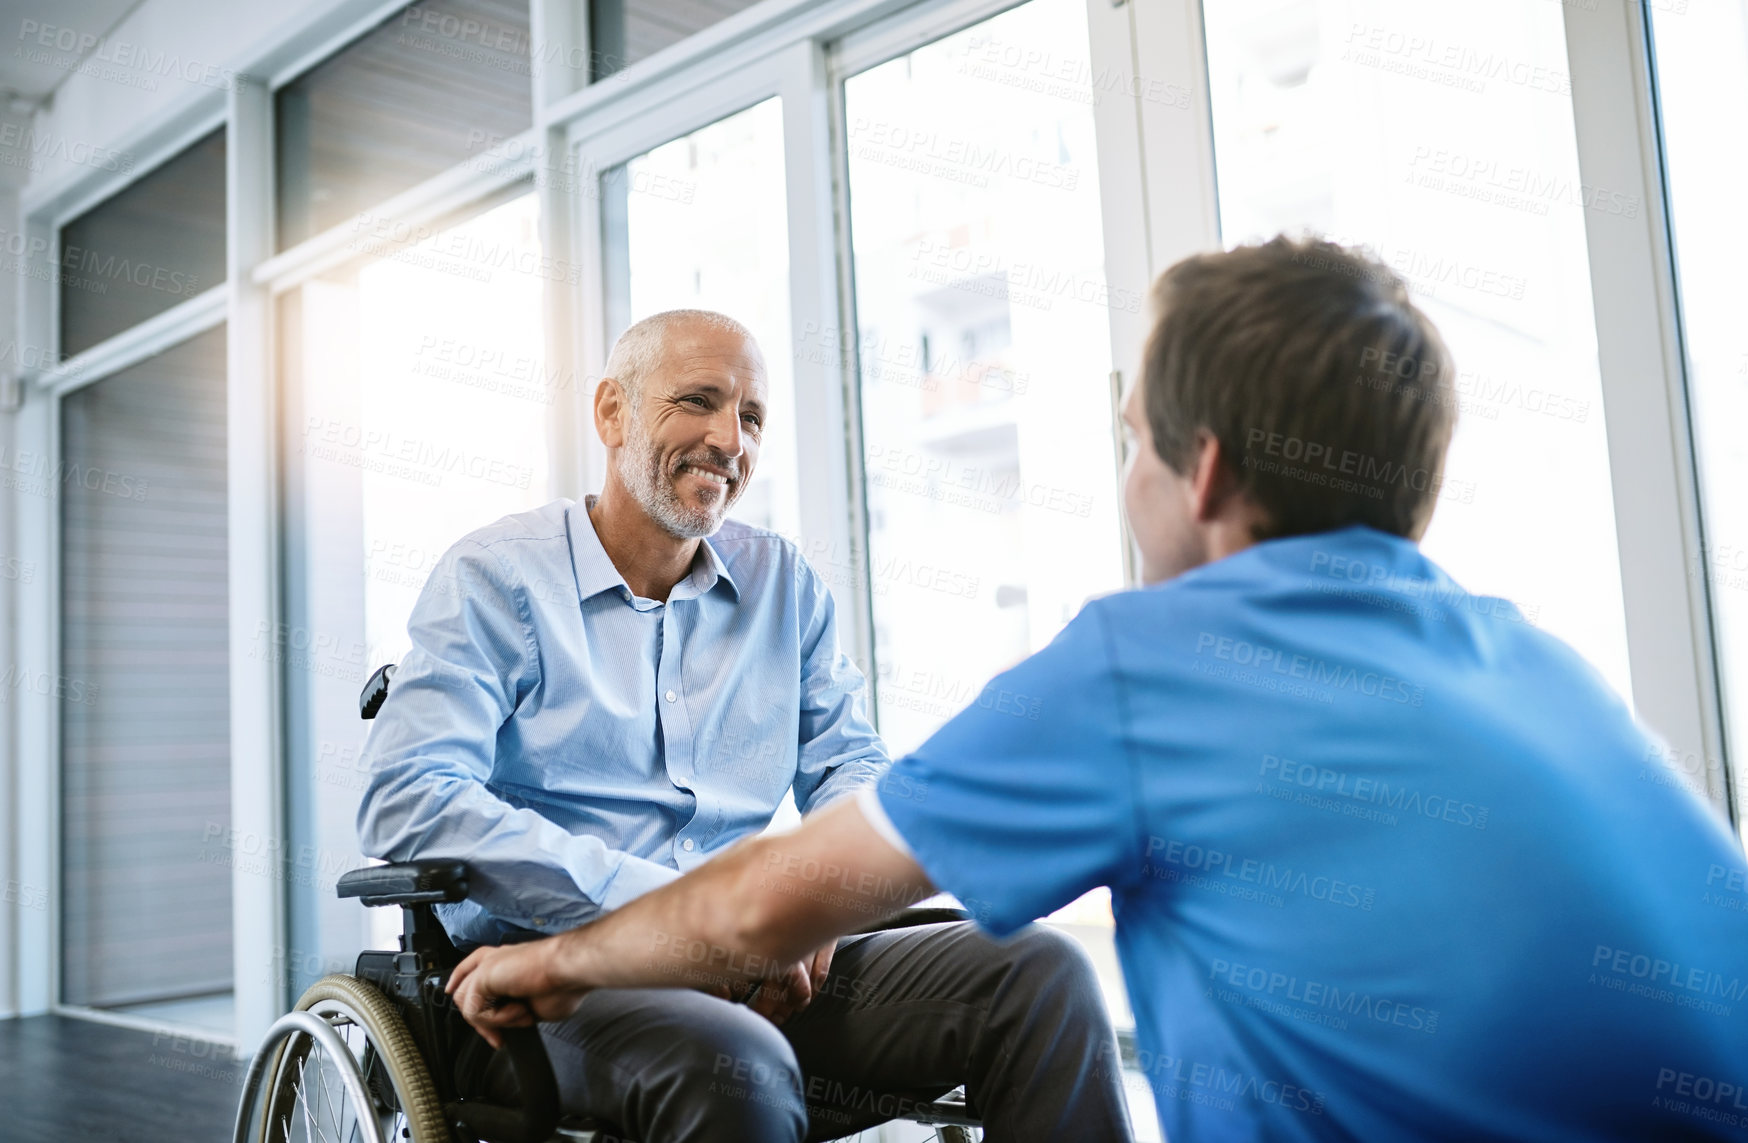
x=317 y=1107
x=291 y=1094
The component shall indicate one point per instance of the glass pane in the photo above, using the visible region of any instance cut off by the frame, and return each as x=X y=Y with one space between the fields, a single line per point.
x=983 y=347
x=984 y=344
x=148 y=248
x=146 y=846
x=701 y=223
x=1702 y=80
x=625 y=31
x=430 y=86
x=1440 y=135
x=417 y=411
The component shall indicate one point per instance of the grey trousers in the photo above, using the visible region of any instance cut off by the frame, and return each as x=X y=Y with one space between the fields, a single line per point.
x=904 y=1017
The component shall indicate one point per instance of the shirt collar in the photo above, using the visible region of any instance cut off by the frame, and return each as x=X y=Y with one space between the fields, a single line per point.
x=708 y=570
x=595 y=571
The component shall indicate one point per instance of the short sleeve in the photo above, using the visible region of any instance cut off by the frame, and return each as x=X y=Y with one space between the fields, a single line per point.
x=1026 y=799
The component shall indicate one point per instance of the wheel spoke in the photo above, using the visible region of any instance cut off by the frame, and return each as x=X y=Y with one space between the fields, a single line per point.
x=339 y=1123
x=316 y=1108
x=303 y=1095
x=303 y=1106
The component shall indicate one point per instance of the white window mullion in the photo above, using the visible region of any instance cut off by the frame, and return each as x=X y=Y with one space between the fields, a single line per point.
x=1656 y=506
x=1170 y=77
x=560 y=50
x=1134 y=127
x=828 y=447
x=134 y=345
x=36 y=430
x=589 y=339
x=252 y=481
x=1156 y=163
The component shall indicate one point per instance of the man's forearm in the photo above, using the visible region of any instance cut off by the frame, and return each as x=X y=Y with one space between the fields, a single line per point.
x=748 y=914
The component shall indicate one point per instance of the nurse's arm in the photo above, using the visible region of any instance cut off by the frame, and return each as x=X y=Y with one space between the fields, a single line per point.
x=745 y=916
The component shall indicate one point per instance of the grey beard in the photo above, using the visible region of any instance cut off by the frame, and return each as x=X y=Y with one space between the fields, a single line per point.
x=640 y=468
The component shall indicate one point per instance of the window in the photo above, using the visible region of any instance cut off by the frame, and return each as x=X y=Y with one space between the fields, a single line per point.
x=984 y=242
x=1702 y=72
x=1442 y=138
x=625 y=31
x=699 y=223
x=417 y=412
x=432 y=85
x=984 y=349
x=145 y=250
x=146 y=847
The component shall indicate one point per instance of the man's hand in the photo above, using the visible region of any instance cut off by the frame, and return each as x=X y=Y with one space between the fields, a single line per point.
x=822 y=965
x=781 y=997
x=512 y=986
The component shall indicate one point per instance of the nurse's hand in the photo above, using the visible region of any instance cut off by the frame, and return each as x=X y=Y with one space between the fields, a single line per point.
x=779 y=998
x=511 y=987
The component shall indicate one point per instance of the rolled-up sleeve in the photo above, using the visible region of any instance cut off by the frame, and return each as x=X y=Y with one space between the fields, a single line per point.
x=432 y=747
x=839 y=751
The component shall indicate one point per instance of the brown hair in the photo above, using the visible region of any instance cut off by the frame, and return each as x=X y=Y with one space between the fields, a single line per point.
x=1329 y=391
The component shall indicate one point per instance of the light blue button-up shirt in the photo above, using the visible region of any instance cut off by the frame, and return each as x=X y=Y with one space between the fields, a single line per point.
x=578 y=745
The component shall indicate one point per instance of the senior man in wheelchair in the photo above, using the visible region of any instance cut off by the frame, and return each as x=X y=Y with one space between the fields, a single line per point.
x=601 y=696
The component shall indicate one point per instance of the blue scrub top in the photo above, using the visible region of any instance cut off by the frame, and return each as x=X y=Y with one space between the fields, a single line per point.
x=1387 y=862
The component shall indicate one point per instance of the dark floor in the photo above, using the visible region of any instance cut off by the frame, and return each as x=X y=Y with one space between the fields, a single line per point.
x=74 y=1081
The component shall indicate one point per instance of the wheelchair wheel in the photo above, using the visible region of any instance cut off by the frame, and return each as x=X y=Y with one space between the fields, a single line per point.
x=378 y=1087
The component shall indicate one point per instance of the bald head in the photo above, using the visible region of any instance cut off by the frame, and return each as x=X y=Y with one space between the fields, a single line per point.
x=640 y=349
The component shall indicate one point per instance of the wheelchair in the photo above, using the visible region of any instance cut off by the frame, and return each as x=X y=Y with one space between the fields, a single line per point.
x=384 y=1056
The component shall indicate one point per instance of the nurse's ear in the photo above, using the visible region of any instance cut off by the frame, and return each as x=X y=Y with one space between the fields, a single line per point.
x=1213 y=484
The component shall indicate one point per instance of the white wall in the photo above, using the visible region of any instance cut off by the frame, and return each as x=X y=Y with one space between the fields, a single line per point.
x=164 y=54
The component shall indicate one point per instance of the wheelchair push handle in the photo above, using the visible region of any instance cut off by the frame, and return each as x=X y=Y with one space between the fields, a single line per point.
x=536 y=1117
x=375 y=691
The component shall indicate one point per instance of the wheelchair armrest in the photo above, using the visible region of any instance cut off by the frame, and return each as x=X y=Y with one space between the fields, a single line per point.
x=406 y=883
x=911 y=918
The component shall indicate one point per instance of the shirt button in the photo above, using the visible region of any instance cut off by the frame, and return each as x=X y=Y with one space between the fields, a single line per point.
x=540 y=920
x=671 y=696
x=688 y=845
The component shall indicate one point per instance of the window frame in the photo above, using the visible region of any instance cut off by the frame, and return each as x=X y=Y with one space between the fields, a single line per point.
x=37 y=935
x=1157 y=174
x=1671 y=638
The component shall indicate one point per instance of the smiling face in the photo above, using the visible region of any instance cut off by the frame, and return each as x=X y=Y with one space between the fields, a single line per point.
x=688 y=432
